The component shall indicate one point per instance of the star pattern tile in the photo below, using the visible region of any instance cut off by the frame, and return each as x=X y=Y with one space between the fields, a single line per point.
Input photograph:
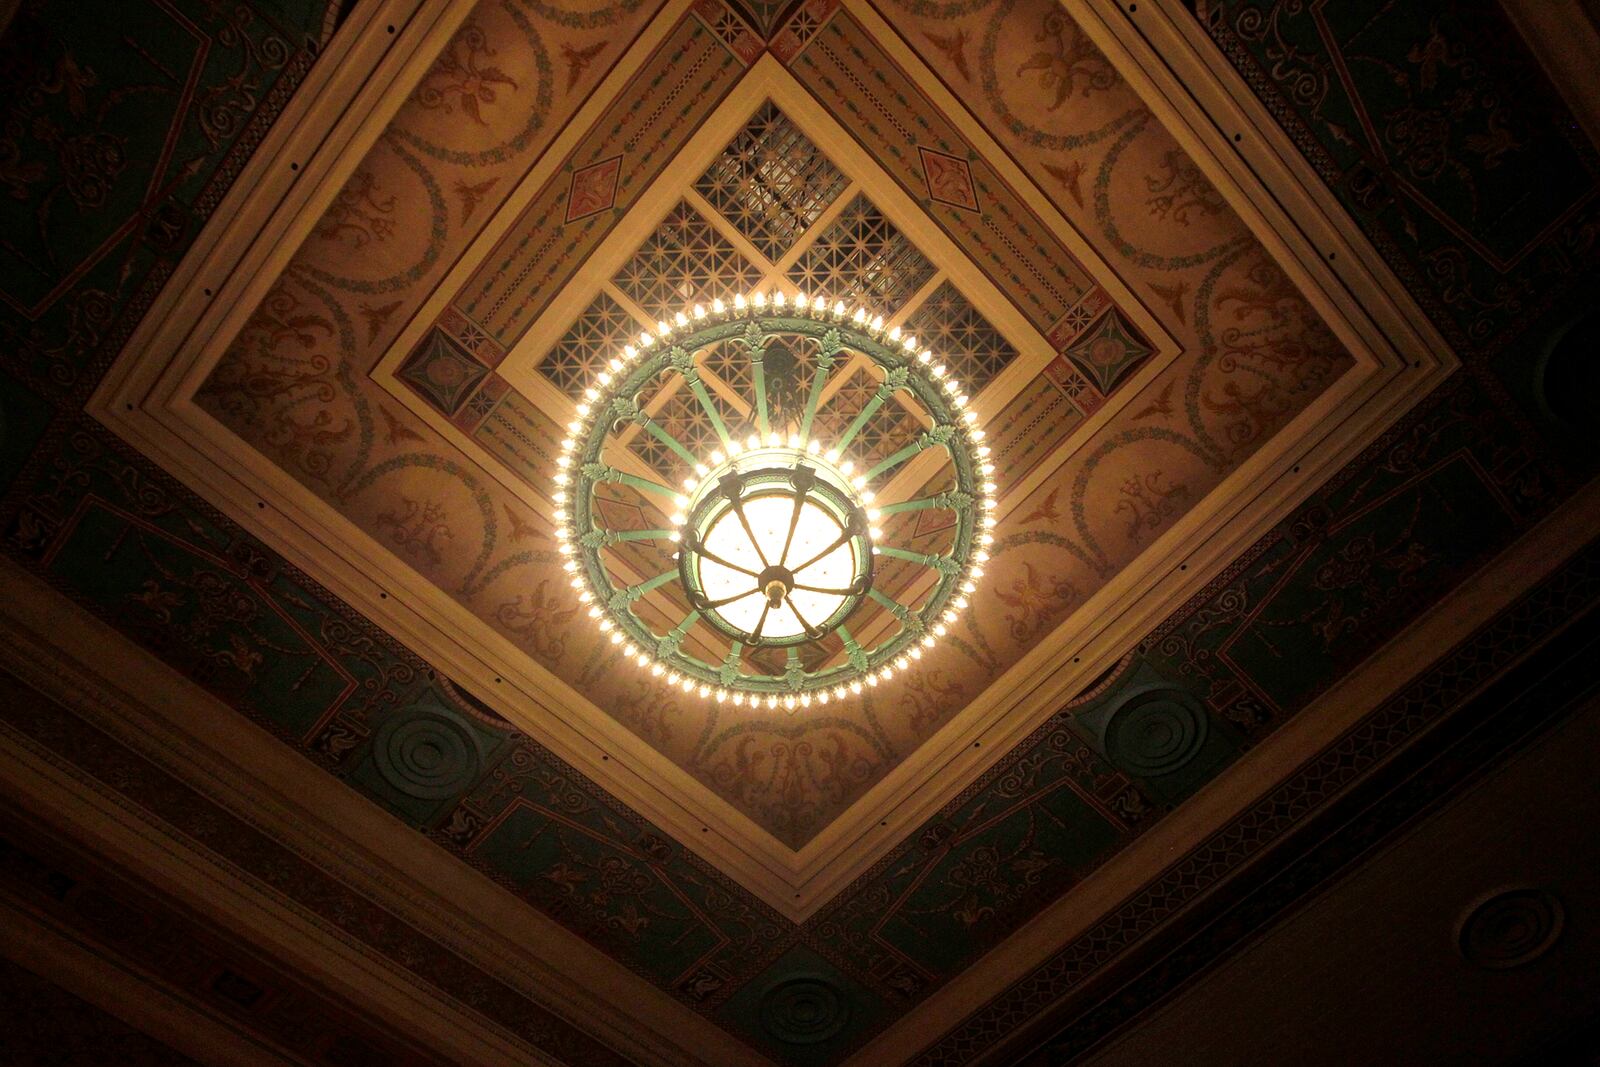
x=863 y=258
x=771 y=182
x=683 y=262
x=949 y=324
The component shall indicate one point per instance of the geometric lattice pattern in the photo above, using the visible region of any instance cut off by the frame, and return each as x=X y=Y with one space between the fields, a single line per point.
x=952 y=327
x=600 y=332
x=863 y=259
x=771 y=182
x=684 y=262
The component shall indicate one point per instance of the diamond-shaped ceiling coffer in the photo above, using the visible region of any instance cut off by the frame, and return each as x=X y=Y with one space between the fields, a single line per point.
x=832 y=164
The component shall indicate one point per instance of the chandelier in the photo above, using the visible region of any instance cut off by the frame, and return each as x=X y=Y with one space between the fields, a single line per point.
x=774 y=540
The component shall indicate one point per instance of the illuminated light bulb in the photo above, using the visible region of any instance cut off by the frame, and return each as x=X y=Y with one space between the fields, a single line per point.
x=916 y=651
x=656 y=669
x=663 y=328
x=877 y=322
x=983 y=450
x=629 y=352
x=839 y=310
x=606 y=626
x=989 y=487
x=689 y=484
x=867 y=496
x=951 y=386
x=894 y=334
x=681 y=500
x=872 y=679
x=986 y=539
x=860 y=316
x=616 y=637
x=940 y=372
x=969 y=588
x=980 y=556
x=722 y=696
x=977 y=572
x=772 y=701
x=975 y=434
x=959 y=602
x=645 y=340
x=574 y=428
x=615 y=364
x=739 y=301
x=925 y=356
x=560 y=479
x=577 y=583
x=680 y=320
x=561 y=514
x=971 y=417
x=832 y=455
x=701 y=469
x=566 y=445
x=560 y=496
x=859 y=481
x=805 y=700
x=570 y=567
x=877 y=534
x=950 y=615
x=565 y=548
x=774 y=440
x=902 y=663
x=604 y=379
x=873 y=514
x=847 y=467
x=758 y=299
x=801 y=301
x=679 y=518
x=814 y=446
x=674 y=537
x=789 y=702
x=910 y=342
x=699 y=311
x=794 y=440
x=705 y=690
x=778 y=299
x=987 y=468
x=585 y=597
x=594 y=612
x=718 y=307
x=855 y=686
x=583 y=410
x=753 y=443
x=591 y=394
x=823 y=696
x=840 y=693
x=738 y=700
x=717 y=457
x=961 y=400
x=927 y=641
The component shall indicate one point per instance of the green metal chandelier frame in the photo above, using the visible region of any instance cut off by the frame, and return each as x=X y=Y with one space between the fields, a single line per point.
x=806 y=474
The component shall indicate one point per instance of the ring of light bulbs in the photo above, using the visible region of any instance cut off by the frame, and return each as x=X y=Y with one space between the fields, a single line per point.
x=608 y=400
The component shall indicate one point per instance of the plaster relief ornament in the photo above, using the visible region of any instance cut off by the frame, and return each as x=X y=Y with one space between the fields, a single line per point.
x=771 y=553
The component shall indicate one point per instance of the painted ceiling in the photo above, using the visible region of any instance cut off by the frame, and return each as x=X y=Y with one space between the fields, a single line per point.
x=1226 y=474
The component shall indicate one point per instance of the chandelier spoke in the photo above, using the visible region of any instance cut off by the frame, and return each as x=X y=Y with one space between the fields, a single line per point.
x=714 y=558
x=755 y=543
x=843 y=539
x=811 y=631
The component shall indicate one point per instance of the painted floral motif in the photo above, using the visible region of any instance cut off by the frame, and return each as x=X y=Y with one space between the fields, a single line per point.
x=417 y=528
x=1068 y=56
x=359 y=215
x=1148 y=504
x=538 y=620
x=1178 y=188
x=462 y=78
x=1035 y=599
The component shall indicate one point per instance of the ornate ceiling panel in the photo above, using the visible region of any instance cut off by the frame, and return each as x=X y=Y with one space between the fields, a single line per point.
x=1115 y=418
x=1204 y=520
